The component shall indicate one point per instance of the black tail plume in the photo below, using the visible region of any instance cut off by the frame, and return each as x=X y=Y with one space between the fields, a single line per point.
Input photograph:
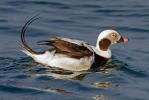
x=23 y=43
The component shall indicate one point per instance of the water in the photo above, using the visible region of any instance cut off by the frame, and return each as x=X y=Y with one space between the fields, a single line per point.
x=126 y=77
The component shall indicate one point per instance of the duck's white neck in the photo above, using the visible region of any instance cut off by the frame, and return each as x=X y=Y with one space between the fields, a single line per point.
x=97 y=44
x=106 y=54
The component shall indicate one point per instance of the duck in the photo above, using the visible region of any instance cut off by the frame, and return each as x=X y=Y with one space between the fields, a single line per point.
x=72 y=54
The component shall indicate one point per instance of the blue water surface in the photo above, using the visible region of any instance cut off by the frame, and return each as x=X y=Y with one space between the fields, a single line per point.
x=125 y=77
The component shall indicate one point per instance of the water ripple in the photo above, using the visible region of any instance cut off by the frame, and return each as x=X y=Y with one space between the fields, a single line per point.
x=125 y=77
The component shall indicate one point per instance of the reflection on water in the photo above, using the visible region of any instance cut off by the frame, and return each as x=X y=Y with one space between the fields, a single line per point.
x=101 y=97
x=19 y=89
x=57 y=91
x=36 y=78
x=104 y=85
x=37 y=70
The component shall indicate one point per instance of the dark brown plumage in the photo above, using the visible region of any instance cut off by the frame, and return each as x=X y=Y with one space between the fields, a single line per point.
x=69 y=49
x=104 y=44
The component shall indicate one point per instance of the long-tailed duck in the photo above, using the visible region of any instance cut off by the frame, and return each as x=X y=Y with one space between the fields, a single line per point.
x=73 y=54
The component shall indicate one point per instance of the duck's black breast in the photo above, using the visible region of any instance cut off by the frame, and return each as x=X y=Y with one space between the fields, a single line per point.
x=99 y=60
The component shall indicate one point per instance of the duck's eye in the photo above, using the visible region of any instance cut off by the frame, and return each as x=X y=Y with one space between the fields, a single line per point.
x=113 y=35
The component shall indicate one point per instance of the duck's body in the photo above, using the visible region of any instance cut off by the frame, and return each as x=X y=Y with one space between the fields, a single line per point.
x=82 y=57
x=72 y=54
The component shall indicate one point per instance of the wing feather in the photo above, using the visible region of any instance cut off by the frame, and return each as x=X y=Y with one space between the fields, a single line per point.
x=67 y=47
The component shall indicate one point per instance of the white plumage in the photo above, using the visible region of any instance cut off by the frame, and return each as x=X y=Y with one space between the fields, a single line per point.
x=62 y=61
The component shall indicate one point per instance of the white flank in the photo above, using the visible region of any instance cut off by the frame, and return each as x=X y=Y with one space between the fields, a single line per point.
x=62 y=61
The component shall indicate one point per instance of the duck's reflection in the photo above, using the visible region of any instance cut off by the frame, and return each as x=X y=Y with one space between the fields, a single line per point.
x=99 y=82
x=37 y=70
x=75 y=76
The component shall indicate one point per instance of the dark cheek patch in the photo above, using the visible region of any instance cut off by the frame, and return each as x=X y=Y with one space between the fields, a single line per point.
x=104 y=44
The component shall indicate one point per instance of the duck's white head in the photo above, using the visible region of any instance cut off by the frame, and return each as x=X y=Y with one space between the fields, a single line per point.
x=107 y=38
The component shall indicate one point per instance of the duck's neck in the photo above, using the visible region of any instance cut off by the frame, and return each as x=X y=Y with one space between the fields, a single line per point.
x=103 y=45
x=104 y=53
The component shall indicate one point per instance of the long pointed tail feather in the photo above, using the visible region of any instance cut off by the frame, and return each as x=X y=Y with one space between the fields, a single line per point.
x=23 y=43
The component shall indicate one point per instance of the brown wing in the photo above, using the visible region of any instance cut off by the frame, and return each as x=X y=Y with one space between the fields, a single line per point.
x=70 y=49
